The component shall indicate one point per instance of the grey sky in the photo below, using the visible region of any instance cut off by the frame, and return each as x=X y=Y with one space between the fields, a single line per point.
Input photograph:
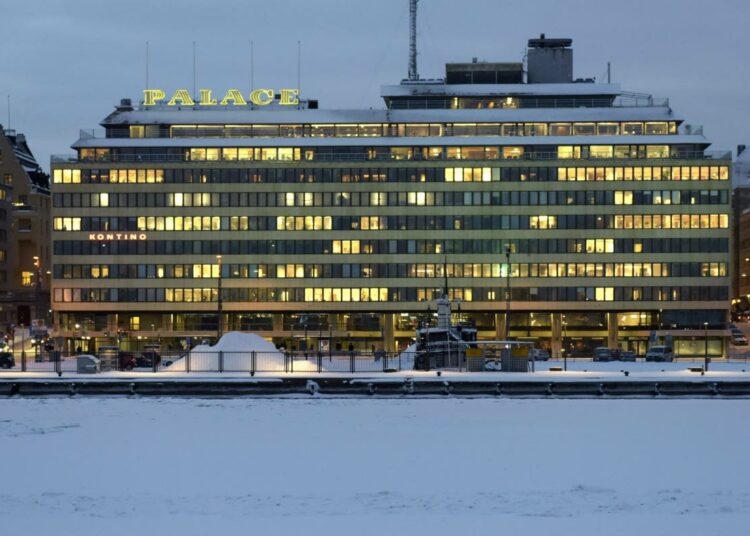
x=66 y=63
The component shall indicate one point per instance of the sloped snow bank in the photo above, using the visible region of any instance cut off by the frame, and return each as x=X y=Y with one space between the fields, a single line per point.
x=237 y=349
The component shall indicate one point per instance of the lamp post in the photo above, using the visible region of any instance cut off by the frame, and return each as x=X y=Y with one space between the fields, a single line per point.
x=565 y=354
x=220 y=305
x=75 y=338
x=705 y=346
x=23 y=349
x=38 y=286
x=507 y=292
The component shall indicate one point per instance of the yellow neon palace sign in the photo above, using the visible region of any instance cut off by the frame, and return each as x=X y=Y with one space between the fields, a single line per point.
x=233 y=97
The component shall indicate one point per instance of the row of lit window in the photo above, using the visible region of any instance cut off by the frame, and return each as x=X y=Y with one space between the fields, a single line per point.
x=643 y=221
x=311 y=246
x=394 y=270
x=390 y=294
x=356 y=175
x=286 y=154
x=609 y=128
x=416 y=223
x=393 y=199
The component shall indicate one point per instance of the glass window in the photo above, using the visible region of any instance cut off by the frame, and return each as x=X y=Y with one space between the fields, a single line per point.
x=632 y=129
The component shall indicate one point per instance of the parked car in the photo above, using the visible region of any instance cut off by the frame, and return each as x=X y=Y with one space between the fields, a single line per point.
x=493 y=364
x=170 y=359
x=627 y=355
x=539 y=354
x=127 y=360
x=660 y=353
x=7 y=360
x=602 y=354
x=739 y=339
x=146 y=359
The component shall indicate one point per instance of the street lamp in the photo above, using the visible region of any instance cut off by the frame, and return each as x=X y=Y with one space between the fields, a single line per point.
x=23 y=349
x=507 y=292
x=565 y=354
x=75 y=338
x=220 y=305
x=705 y=346
x=38 y=285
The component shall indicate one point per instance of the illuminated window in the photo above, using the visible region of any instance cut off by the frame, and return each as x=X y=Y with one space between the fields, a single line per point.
x=512 y=152
x=601 y=151
x=584 y=129
x=560 y=129
x=632 y=129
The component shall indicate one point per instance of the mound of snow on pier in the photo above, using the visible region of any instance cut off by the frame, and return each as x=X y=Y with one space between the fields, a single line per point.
x=237 y=349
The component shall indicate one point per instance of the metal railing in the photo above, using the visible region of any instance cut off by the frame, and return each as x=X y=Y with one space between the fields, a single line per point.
x=365 y=157
x=628 y=101
x=251 y=362
x=313 y=362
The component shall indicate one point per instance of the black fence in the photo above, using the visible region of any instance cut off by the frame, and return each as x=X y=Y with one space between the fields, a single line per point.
x=197 y=361
x=277 y=362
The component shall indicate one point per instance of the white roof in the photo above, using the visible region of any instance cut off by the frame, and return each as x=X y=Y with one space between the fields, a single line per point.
x=242 y=115
x=584 y=89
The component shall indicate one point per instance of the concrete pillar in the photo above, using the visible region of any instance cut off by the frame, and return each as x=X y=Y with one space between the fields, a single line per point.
x=556 y=340
x=612 y=328
x=277 y=321
x=499 y=326
x=387 y=321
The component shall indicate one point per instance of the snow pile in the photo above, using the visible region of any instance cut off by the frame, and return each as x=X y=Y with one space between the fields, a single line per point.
x=406 y=358
x=237 y=349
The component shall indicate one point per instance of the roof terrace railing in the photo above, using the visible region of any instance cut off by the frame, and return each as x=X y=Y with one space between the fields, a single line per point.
x=477 y=102
x=365 y=157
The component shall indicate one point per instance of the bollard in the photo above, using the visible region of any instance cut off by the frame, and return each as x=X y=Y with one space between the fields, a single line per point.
x=23 y=360
x=221 y=361
x=187 y=361
x=252 y=363
x=320 y=361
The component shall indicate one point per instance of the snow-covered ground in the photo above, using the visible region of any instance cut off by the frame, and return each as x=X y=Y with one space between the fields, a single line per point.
x=91 y=466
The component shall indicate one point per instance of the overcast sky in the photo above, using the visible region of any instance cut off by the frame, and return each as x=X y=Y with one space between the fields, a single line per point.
x=66 y=63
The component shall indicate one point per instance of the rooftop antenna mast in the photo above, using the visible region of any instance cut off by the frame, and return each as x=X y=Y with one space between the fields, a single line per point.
x=195 y=76
x=147 y=86
x=413 y=75
x=8 y=127
x=252 y=65
x=299 y=72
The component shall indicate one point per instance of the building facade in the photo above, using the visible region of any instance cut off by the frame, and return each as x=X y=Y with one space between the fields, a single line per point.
x=741 y=249
x=192 y=214
x=25 y=230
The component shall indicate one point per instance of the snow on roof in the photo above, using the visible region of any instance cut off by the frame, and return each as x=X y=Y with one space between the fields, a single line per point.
x=485 y=90
x=197 y=115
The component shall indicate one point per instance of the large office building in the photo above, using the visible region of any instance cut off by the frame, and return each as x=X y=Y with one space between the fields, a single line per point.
x=607 y=215
x=741 y=249
x=25 y=239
